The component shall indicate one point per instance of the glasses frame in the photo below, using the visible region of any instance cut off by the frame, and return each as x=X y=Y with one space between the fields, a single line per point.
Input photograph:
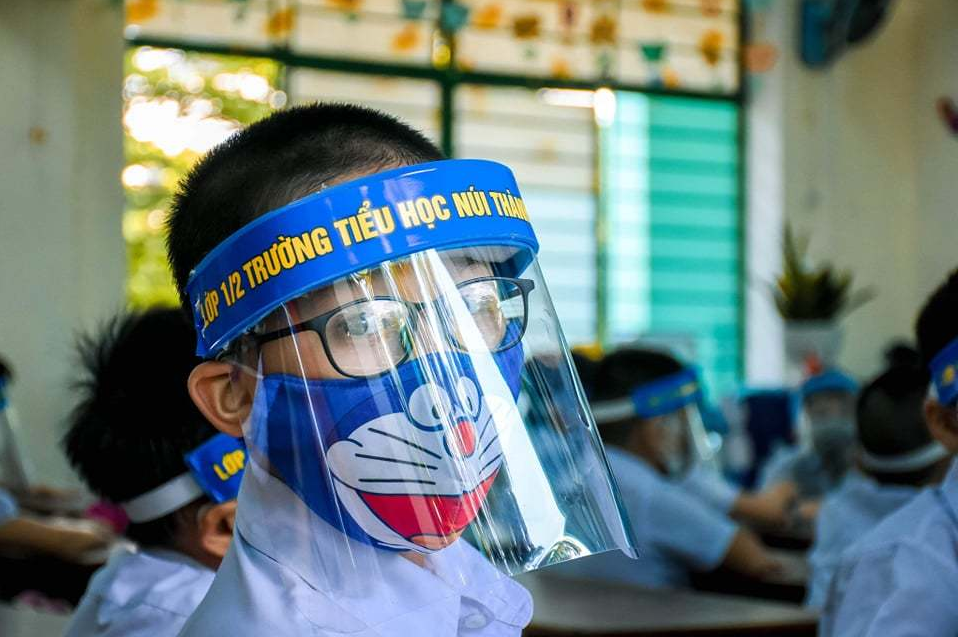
x=319 y=323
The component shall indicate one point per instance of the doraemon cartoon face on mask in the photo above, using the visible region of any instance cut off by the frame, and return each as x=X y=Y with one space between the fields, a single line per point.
x=400 y=473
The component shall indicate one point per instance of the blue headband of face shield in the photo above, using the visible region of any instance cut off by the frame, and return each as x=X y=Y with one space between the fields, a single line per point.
x=215 y=470
x=944 y=374
x=351 y=227
x=657 y=398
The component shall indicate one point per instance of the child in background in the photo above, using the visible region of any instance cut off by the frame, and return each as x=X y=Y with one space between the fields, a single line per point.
x=35 y=534
x=902 y=577
x=641 y=401
x=896 y=457
x=826 y=437
x=136 y=439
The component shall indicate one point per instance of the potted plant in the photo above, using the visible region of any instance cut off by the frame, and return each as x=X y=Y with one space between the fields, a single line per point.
x=812 y=300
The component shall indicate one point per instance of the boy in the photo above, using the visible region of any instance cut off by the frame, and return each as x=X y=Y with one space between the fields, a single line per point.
x=902 y=577
x=896 y=457
x=643 y=402
x=365 y=311
x=137 y=439
x=826 y=436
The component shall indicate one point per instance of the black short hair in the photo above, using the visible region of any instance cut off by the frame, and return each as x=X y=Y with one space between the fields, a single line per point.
x=279 y=159
x=620 y=373
x=936 y=326
x=890 y=419
x=135 y=419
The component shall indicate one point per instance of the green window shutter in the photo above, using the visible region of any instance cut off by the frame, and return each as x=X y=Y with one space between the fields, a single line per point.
x=671 y=174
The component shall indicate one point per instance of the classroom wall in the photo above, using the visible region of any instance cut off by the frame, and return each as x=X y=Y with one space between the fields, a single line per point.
x=63 y=259
x=865 y=167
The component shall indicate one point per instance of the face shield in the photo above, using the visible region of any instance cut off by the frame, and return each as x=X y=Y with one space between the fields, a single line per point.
x=411 y=385
x=826 y=418
x=214 y=469
x=671 y=409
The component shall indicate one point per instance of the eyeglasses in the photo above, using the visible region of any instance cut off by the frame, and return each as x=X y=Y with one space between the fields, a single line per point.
x=368 y=337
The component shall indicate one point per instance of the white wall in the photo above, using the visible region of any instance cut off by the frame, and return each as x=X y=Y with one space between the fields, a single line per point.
x=866 y=169
x=62 y=262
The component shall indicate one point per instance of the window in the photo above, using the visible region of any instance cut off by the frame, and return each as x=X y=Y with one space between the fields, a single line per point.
x=671 y=181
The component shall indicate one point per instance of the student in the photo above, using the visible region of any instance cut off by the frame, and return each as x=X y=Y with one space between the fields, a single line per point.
x=826 y=437
x=23 y=532
x=137 y=439
x=644 y=402
x=896 y=457
x=902 y=577
x=374 y=322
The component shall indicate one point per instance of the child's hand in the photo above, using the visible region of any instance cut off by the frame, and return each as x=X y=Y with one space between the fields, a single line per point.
x=74 y=544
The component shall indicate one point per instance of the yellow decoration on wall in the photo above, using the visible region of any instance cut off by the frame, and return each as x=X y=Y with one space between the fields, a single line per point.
x=711 y=8
x=139 y=11
x=488 y=16
x=604 y=30
x=560 y=68
x=526 y=26
x=655 y=6
x=710 y=46
x=349 y=6
x=280 y=23
x=407 y=39
x=670 y=79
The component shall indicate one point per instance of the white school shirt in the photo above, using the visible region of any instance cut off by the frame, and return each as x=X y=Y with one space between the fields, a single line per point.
x=675 y=532
x=710 y=486
x=146 y=593
x=901 y=579
x=850 y=512
x=275 y=581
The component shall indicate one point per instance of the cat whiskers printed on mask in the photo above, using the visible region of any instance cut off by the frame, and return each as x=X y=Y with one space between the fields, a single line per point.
x=414 y=480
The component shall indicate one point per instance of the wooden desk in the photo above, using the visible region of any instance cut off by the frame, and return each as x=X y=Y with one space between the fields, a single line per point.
x=567 y=607
x=24 y=622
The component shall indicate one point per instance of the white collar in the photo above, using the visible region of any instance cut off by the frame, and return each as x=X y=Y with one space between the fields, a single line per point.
x=372 y=584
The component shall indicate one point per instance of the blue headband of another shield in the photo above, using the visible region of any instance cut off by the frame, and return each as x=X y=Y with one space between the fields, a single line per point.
x=656 y=398
x=215 y=470
x=944 y=374
x=831 y=380
x=350 y=227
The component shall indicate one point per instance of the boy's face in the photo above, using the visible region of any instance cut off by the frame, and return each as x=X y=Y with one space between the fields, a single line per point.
x=942 y=423
x=349 y=334
x=664 y=441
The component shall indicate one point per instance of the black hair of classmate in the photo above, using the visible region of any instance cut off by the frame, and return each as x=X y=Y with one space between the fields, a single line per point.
x=135 y=419
x=619 y=373
x=890 y=420
x=586 y=368
x=6 y=371
x=282 y=158
x=937 y=323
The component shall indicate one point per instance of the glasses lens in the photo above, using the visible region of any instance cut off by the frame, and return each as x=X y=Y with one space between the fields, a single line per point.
x=369 y=337
x=497 y=307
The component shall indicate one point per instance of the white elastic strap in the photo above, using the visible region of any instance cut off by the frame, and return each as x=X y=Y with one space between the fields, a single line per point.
x=613 y=410
x=911 y=461
x=163 y=500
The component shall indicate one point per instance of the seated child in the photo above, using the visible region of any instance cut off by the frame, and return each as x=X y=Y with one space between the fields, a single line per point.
x=896 y=457
x=901 y=578
x=641 y=401
x=136 y=439
x=826 y=437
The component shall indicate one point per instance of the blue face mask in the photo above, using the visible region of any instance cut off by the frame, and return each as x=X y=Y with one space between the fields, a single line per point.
x=399 y=461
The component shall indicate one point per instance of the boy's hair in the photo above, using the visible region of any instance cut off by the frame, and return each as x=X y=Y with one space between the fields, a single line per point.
x=135 y=419
x=617 y=376
x=936 y=326
x=280 y=159
x=890 y=419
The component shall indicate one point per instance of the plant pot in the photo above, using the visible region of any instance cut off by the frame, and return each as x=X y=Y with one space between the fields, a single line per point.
x=812 y=341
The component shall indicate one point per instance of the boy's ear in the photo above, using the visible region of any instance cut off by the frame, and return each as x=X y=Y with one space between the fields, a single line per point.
x=942 y=424
x=216 y=528
x=222 y=401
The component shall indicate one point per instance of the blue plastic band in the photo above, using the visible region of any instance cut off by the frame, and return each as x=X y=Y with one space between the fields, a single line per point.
x=832 y=380
x=944 y=373
x=351 y=227
x=665 y=395
x=217 y=466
